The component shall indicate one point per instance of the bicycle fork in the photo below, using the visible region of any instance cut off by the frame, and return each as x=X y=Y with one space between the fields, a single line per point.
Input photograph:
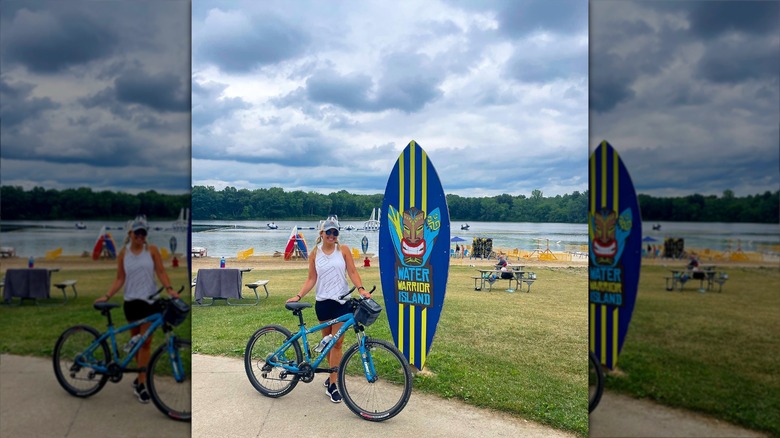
x=368 y=362
x=173 y=355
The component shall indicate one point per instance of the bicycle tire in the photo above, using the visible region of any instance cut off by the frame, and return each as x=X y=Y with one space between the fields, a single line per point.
x=271 y=382
x=79 y=381
x=595 y=382
x=172 y=398
x=384 y=398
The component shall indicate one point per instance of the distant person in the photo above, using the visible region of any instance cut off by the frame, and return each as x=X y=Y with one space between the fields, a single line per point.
x=329 y=265
x=457 y=249
x=137 y=264
x=501 y=261
x=367 y=263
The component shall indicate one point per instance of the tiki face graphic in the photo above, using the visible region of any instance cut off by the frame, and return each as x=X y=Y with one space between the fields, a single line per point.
x=604 y=243
x=413 y=242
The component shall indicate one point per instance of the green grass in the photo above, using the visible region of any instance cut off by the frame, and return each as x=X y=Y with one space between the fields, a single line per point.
x=31 y=330
x=522 y=354
x=715 y=353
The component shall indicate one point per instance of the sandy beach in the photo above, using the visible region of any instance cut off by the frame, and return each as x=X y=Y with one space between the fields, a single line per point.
x=270 y=262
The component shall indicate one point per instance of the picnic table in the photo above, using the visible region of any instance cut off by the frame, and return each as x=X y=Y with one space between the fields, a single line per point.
x=221 y=284
x=490 y=276
x=33 y=284
x=708 y=273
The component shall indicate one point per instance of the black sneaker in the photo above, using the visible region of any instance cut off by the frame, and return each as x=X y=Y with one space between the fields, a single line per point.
x=135 y=383
x=327 y=382
x=335 y=397
x=142 y=394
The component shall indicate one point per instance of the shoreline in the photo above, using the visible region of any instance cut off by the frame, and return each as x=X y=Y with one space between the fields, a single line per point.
x=276 y=262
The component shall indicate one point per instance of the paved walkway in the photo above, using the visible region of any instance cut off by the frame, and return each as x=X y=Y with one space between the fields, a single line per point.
x=226 y=404
x=622 y=416
x=33 y=404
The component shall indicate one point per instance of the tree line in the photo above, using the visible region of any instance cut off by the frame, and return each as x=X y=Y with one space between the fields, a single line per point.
x=84 y=204
x=763 y=208
x=275 y=203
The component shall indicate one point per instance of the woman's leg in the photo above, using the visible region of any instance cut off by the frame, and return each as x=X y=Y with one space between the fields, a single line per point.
x=335 y=354
x=142 y=357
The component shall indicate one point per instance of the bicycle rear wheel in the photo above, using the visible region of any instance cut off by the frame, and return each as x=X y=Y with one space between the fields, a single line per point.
x=269 y=380
x=385 y=396
x=81 y=379
x=595 y=382
x=169 y=379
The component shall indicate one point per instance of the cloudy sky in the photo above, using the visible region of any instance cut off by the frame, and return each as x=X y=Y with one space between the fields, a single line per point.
x=95 y=94
x=324 y=96
x=688 y=92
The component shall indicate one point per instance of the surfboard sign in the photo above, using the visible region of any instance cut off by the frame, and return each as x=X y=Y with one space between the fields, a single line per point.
x=364 y=244
x=615 y=253
x=414 y=247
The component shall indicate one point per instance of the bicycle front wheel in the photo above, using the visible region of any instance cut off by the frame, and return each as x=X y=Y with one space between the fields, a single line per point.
x=386 y=392
x=169 y=379
x=270 y=380
x=595 y=382
x=78 y=377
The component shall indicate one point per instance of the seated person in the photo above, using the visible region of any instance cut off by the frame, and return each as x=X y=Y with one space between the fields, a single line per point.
x=693 y=266
x=502 y=263
x=505 y=274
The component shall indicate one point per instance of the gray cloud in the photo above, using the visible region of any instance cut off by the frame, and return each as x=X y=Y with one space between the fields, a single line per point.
x=713 y=19
x=236 y=43
x=95 y=94
x=19 y=105
x=688 y=92
x=45 y=42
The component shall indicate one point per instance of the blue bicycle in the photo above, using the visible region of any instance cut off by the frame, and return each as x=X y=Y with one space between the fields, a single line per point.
x=84 y=359
x=374 y=378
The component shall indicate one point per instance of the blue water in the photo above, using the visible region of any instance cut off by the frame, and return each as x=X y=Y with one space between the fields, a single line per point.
x=38 y=237
x=227 y=238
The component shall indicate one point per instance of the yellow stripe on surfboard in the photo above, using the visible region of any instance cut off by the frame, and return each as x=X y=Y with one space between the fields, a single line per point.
x=401 y=307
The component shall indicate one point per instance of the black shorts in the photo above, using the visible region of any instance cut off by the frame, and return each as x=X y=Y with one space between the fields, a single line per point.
x=330 y=309
x=139 y=309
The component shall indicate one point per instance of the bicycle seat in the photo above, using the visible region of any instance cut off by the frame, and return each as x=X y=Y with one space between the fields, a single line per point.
x=105 y=306
x=296 y=306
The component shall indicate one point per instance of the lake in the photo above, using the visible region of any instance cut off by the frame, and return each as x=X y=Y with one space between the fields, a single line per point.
x=226 y=238
x=35 y=238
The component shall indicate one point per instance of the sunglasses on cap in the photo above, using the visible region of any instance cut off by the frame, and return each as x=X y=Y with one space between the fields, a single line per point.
x=140 y=232
x=332 y=232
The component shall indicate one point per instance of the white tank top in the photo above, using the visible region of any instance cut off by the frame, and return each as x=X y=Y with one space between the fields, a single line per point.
x=139 y=275
x=331 y=275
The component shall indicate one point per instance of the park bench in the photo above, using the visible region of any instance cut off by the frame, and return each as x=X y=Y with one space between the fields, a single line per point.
x=63 y=285
x=254 y=285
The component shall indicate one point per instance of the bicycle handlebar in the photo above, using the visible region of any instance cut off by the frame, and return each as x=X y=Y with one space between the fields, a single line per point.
x=163 y=288
x=353 y=288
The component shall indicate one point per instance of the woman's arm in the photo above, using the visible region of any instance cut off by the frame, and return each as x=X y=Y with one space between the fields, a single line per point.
x=119 y=281
x=311 y=280
x=352 y=271
x=159 y=269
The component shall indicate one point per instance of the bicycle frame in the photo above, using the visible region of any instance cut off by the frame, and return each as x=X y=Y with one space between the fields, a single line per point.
x=110 y=334
x=349 y=322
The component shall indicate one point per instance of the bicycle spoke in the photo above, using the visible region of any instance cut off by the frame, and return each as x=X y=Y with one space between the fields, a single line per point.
x=267 y=377
x=169 y=380
x=388 y=394
x=72 y=368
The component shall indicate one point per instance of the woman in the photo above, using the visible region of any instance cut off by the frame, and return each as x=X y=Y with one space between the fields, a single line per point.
x=329 y=265
x=137 y=265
